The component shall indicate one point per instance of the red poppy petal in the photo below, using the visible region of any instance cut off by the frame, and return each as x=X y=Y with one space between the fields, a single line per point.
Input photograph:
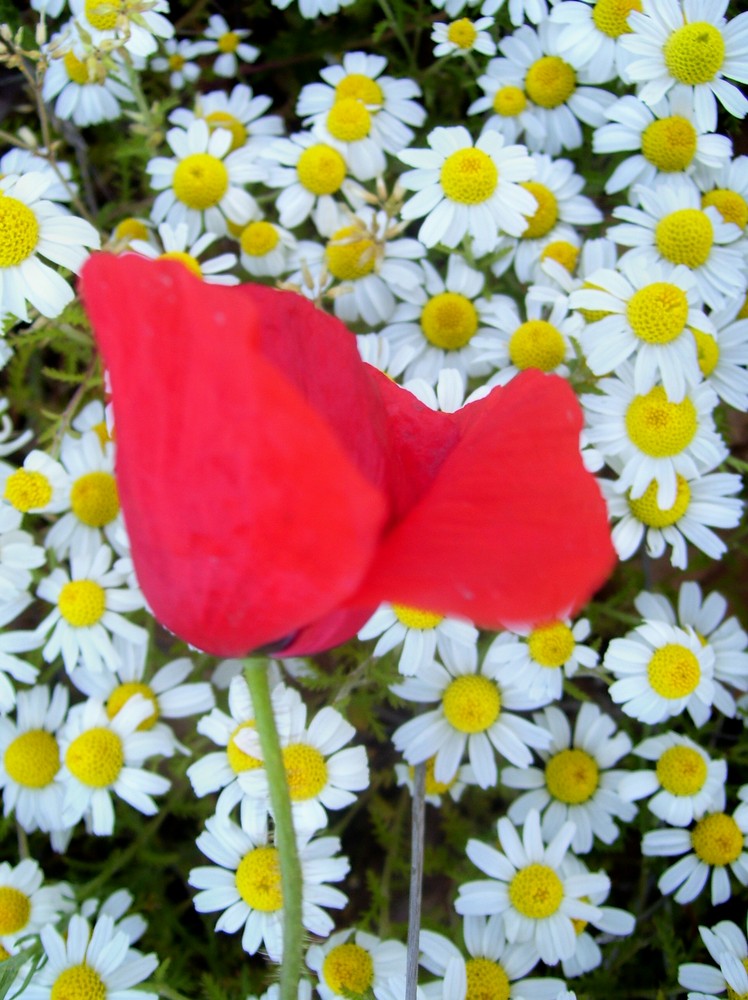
x=513 y=530
x=246 y=517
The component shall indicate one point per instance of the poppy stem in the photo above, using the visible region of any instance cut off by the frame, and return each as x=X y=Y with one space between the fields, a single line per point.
x=416 y=880
x=256 y=674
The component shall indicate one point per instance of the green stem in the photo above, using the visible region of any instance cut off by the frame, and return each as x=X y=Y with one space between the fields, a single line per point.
x=416 y=880
x=285 y=837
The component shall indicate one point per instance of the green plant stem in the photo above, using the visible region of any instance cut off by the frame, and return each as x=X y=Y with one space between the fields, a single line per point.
x=416 y=880
x=256 y=673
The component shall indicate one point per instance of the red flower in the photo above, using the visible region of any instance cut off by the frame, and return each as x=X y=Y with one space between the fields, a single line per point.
x=276 y=489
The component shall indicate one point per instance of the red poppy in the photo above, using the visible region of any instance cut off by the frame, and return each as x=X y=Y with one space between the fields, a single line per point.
x=276 y=488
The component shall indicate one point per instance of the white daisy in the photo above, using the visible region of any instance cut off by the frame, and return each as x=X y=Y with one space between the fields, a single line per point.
x=565 y=266
x=178 y=61
x=685 y=784
x=116 y=906
x=102 y=757
x=727 y=945
x=660 y=672
x=467 y=189
x=420 y=632
x=671 y=225
x=577 y=781
x=354 y=962
x=527 y=887
x=266 y=248
x=723 y=355
x=245 y=883
x=652 y=437
x=591 y=35
x=202 y=185
x=26 y=905
x=176 y=245
x=692 y=44
x=726 y=187
x=241 y=112
x=134 y=26
x=663 y=140
x=716 y=843
x=229 y=44
x=88 y=88
x=504 y=97
x=475 y=713
x=40 y=486
x=435 y=790
x=463 y=36
x=32 y=227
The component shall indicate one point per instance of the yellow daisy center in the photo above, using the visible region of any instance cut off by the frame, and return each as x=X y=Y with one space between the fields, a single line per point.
x=348 y=120
x=32 y=759
x=731 y=206
x=509 y=101
x=122 y=694
x=222 y=119
x=15 y=910
x=685 y=237
x=537 y=344
x=658 y=312
x=94 y=499
x=359 y=87
x=469 y=176
x=321 y=169
x=536 y=891
x=238 y=759
x=434 y=787
x=176 y=62
x=564 y=253
x=550 y=81
x=348 y=969
x=79 y=982
x=131 y=229
x=19 y=231
x=646 y=509
x=96 y=757
x=546 y=214
x=102 y=14
x=681 y=770
x=462 y=33
x=258 y=879
x=259 y=238
x=190 y=262
x=717 y=839
x=695 y=53
x=669 y=143
x=449 y=320
x=486 y=980
x=707 y=352
x=611 y=16
x=350 y=254
x=228 y=42
x=658 y=427
x=79 y=70
x=82 y=603
x=306 y=771
x=551 y=645
x=673 y=671
x=200 y=181
x=572 y=776
x=27 y=490
x=472 y=703
x=416 y=618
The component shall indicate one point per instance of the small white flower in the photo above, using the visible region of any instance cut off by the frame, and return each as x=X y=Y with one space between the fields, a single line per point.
x=178 y=246
x=420 y=632
x=727 y=945
x=463 y=36
x=354 y=962
x=229 y=44
x=26 y=904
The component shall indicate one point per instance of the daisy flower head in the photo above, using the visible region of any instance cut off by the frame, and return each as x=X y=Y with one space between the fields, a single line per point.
x=322 y=773
x=549 y=652
x=30 y=759
x=578 y=781
x=178 y=62
x=566 y=264
x=557 y=91
x=528 y=888
x=40 y=486
x=466 y=188
x=504 y=99
x=692 y=44
x=116 y=906
x=475 y=713
x=32 y=227
x=241 y=112
x=421 y=634
x=265 y=248
x=726 y=187
x=445 y=322
x=671 y=225
x=727 y=945
x=664 y=140
x=463 y=36
x=202 y=185
x=495 y=968
x=535 y=11
x=89 y=88
x=176 y=245
x=435 y=790
x=660 y=672
x=90 y=961
x=652 y=437
x=702 y=503
x=649 y=315
x=714 y=846
x=723 y=354
x=353 y=962
x=102 y=757
x=26 y=904
x=591 y=34
x=134 y=25
x=229 y=45
x=244 y=882
x=685 y=784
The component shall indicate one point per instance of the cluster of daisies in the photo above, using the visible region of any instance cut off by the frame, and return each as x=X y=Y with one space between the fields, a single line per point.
x=459 y=255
